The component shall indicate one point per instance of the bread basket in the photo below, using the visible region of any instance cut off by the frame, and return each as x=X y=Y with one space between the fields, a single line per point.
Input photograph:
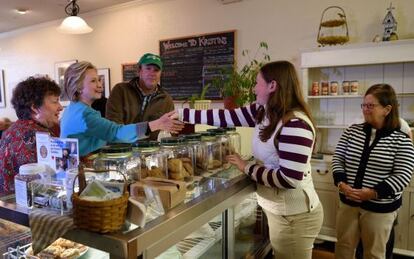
x=99 y=216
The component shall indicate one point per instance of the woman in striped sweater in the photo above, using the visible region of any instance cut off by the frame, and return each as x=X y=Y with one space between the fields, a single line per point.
x=372 y=164
x=282 y=143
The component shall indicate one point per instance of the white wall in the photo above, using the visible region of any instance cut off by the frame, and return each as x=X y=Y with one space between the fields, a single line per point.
x=124 y=33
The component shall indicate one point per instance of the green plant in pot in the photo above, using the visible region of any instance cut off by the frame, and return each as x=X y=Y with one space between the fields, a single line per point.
x=199 y=101
x=237 y=85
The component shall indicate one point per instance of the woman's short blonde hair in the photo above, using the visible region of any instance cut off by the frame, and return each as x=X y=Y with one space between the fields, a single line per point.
x=74 y=76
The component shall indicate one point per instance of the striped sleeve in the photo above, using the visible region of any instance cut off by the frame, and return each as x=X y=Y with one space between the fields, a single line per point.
x=244 y=116
x=295 y=148
x=402 y=170
x=338 y=160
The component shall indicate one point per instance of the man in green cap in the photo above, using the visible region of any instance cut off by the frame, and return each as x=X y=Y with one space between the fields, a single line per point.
x=142 y=98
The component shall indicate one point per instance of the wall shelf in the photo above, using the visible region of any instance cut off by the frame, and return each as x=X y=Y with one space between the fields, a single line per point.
x=334 y=96
x=332 y=126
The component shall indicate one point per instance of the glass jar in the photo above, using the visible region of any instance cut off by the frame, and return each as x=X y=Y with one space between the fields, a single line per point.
x=325 y=88
x=117 y=157
x=22 y=182
x=179 y=158
x=354 y=87
x=315 y=88
x=225 y=144
x=199 y=152
x=235 y=140
x=346 y=87
x=153 y=160
x=333 y=88
x=213 y=151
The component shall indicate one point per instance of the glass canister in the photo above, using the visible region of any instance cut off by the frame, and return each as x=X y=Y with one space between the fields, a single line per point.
x=194 y=141
x=235 y=140
x=324 y=88
x=153 y=160
x=346 y=88
x=179 y=158
x=333 y=88
x=225 y=144
x=22 y=182
x=213 y=151
x=118 y=157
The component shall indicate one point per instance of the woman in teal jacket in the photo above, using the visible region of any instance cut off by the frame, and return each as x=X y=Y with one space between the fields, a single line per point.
x=81 y=121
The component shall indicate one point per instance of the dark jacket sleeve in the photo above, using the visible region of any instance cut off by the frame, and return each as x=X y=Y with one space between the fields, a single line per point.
x=114 y=110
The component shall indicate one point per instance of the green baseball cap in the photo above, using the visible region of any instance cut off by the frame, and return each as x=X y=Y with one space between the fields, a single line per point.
x=150 y=59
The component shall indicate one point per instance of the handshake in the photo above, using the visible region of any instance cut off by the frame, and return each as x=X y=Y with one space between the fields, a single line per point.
x=168 y=122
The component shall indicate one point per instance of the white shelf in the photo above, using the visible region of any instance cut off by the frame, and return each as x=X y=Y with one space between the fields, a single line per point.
x=333 y=96
x=351 y=96
x=332 y=126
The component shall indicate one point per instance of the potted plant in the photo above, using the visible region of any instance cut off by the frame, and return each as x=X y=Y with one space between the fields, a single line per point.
x=237 y=85
x=199 y=102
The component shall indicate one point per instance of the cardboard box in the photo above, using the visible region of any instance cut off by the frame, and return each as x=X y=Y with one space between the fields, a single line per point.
x=171 y=192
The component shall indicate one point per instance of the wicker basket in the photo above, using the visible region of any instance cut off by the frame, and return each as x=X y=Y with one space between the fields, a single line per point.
x=99 y=216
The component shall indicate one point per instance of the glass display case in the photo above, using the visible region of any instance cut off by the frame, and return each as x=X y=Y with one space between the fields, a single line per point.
x=218 y=219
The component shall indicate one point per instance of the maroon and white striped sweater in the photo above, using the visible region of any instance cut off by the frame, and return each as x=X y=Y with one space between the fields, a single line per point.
x=283 y=166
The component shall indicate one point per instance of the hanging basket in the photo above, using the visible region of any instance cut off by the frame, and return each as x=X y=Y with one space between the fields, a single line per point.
x=333 y=28
x=99 y=216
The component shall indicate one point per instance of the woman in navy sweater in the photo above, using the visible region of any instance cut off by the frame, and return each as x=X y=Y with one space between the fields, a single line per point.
x=372 y=164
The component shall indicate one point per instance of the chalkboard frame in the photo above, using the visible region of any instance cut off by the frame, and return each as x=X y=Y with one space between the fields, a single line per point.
x=127 y=68
x=197 y=89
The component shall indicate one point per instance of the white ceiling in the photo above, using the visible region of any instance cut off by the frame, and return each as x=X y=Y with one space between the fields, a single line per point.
x=43 y=11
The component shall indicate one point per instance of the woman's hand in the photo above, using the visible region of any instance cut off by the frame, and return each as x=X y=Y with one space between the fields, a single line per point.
x=237 y=161
x=363 y=194
x=357 y=195
x=168 y=122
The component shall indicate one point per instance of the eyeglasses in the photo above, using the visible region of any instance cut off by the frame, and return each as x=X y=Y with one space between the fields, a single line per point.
x=369 y=106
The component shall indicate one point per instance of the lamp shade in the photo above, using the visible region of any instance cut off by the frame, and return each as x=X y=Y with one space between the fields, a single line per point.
x=74 y=25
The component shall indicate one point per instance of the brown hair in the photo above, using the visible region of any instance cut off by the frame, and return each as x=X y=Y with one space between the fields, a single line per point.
x=285 y=99
x=74 y=76
x=385 y=95
x=32 y=91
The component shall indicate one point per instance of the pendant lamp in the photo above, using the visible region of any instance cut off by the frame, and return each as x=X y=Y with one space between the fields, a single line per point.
x=73 y=24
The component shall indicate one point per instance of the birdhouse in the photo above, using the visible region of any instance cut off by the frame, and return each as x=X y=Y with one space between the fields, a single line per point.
x=390 y=24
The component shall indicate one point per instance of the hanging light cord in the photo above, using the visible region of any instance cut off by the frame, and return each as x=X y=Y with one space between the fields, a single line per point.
x=72 y=8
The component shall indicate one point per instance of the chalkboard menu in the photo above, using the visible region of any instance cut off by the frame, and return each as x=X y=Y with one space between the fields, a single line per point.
x=129 y=71
x=192 y=62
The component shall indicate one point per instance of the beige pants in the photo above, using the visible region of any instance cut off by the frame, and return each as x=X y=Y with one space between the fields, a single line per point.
x=354 y=223
x=293 y=236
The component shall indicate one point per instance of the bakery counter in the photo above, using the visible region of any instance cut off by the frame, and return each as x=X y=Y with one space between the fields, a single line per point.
x=215 y=197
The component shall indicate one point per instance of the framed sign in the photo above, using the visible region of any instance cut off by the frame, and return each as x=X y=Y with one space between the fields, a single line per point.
x=192 y=62
x=105 y=79
x=60 y=68
x=129 y=71
x=2 y=90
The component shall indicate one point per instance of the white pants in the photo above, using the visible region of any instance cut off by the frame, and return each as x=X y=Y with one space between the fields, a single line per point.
x=292 y=237
x=354 y=223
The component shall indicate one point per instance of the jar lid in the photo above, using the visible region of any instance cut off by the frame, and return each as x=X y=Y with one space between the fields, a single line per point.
x=207 y=134
x=171 y=140
x=146 y=143
x=219 y=131
x=192 y=137
x=116 y=148
x=229 y=129
x=30 y=169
